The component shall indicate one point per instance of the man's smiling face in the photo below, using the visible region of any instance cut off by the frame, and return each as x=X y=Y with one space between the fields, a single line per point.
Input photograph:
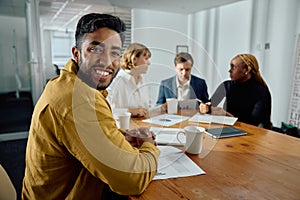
x=99 y=57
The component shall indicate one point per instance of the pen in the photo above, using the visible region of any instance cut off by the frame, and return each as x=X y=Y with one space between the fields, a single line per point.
x=165 y=120
x=198 y=100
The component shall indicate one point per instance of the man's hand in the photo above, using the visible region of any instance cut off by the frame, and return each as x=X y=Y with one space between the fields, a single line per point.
x=164 y=107
x=205 y=107
x=136 y=137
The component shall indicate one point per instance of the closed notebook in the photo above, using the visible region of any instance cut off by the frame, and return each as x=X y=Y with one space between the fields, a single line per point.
x=223 y=132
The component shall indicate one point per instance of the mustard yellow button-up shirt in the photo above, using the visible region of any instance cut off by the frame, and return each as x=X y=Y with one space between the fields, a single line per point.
x=74 y=145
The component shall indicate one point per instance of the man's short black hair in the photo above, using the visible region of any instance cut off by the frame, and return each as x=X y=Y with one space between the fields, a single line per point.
x=89 y=23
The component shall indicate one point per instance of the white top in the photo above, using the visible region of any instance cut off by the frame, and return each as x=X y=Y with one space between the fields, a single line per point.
x=125 y=93
x=183 y=90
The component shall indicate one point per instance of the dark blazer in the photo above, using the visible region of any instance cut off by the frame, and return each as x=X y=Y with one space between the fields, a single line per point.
x=168 y=89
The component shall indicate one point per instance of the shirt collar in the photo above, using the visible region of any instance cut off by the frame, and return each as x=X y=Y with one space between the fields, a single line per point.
x=126 y=74
x=181 y=85
x=72 y=66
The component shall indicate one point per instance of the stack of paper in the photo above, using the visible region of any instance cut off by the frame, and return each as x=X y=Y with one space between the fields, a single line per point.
x=205 y=118
x=173 y=163
x=168 y=136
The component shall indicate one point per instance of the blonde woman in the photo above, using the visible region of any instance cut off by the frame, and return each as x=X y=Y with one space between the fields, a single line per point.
x=247 y=94
x=129 y=90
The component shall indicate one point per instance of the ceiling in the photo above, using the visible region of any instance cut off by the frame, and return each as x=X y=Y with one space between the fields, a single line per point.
x=61 y=14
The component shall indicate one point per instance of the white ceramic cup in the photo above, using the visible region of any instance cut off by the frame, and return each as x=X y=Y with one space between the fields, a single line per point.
x=193 y=135
x=124 y=120
x=172 y=104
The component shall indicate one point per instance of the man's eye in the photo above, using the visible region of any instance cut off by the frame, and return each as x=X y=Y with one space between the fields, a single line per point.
x=116 y=54
x=96 y=50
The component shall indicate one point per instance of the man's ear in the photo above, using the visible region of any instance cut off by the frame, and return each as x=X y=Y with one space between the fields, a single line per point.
x=76 y=53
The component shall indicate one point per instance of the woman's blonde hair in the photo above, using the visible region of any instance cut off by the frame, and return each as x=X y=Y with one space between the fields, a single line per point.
x=134 y=50
x=250 y=61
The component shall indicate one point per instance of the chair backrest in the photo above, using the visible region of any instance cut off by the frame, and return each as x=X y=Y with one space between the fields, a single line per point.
x=57 y=70
x=7 y=189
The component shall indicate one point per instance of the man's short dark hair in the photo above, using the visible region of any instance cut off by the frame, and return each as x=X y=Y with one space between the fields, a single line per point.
x=183 y=57
x=89 y=23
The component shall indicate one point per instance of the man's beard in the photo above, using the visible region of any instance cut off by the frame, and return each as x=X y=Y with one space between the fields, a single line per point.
x=86 y=76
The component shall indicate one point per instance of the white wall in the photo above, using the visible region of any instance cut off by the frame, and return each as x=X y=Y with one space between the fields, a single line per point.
x=13 y=34
x=223 y=32
x=233 y=34
x=160 y=32
x=47 y=55
x=204 y=25
x=279 y=59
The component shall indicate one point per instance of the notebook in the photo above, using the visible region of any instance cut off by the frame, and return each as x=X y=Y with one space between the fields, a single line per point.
x=168 y=136
x=223 y=132
x=207 y=118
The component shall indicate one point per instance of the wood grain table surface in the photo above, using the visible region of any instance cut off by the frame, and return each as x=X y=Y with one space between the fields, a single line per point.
x=261 y=165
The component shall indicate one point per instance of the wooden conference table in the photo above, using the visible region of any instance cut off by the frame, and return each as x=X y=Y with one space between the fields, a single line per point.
x=261 y=165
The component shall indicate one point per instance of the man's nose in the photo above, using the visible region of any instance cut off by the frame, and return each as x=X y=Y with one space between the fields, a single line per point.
x=105 y=58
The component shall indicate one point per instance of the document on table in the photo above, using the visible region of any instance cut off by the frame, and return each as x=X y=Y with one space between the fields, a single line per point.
x=168 y=136
x=166 y=119
x=173 y=163
x=206 y=118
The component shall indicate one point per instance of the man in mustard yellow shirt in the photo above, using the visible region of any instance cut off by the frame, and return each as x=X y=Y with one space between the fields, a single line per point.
x=75 y=149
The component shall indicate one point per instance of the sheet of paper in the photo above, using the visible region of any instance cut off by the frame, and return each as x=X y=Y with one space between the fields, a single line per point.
x=173 y=163
x=168 y=136
x=166 y=119
x=206 y=118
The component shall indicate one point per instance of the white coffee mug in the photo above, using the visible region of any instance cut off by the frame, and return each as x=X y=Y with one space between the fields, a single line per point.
x=172 y=105
x=193 y=135
x=124 y=120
